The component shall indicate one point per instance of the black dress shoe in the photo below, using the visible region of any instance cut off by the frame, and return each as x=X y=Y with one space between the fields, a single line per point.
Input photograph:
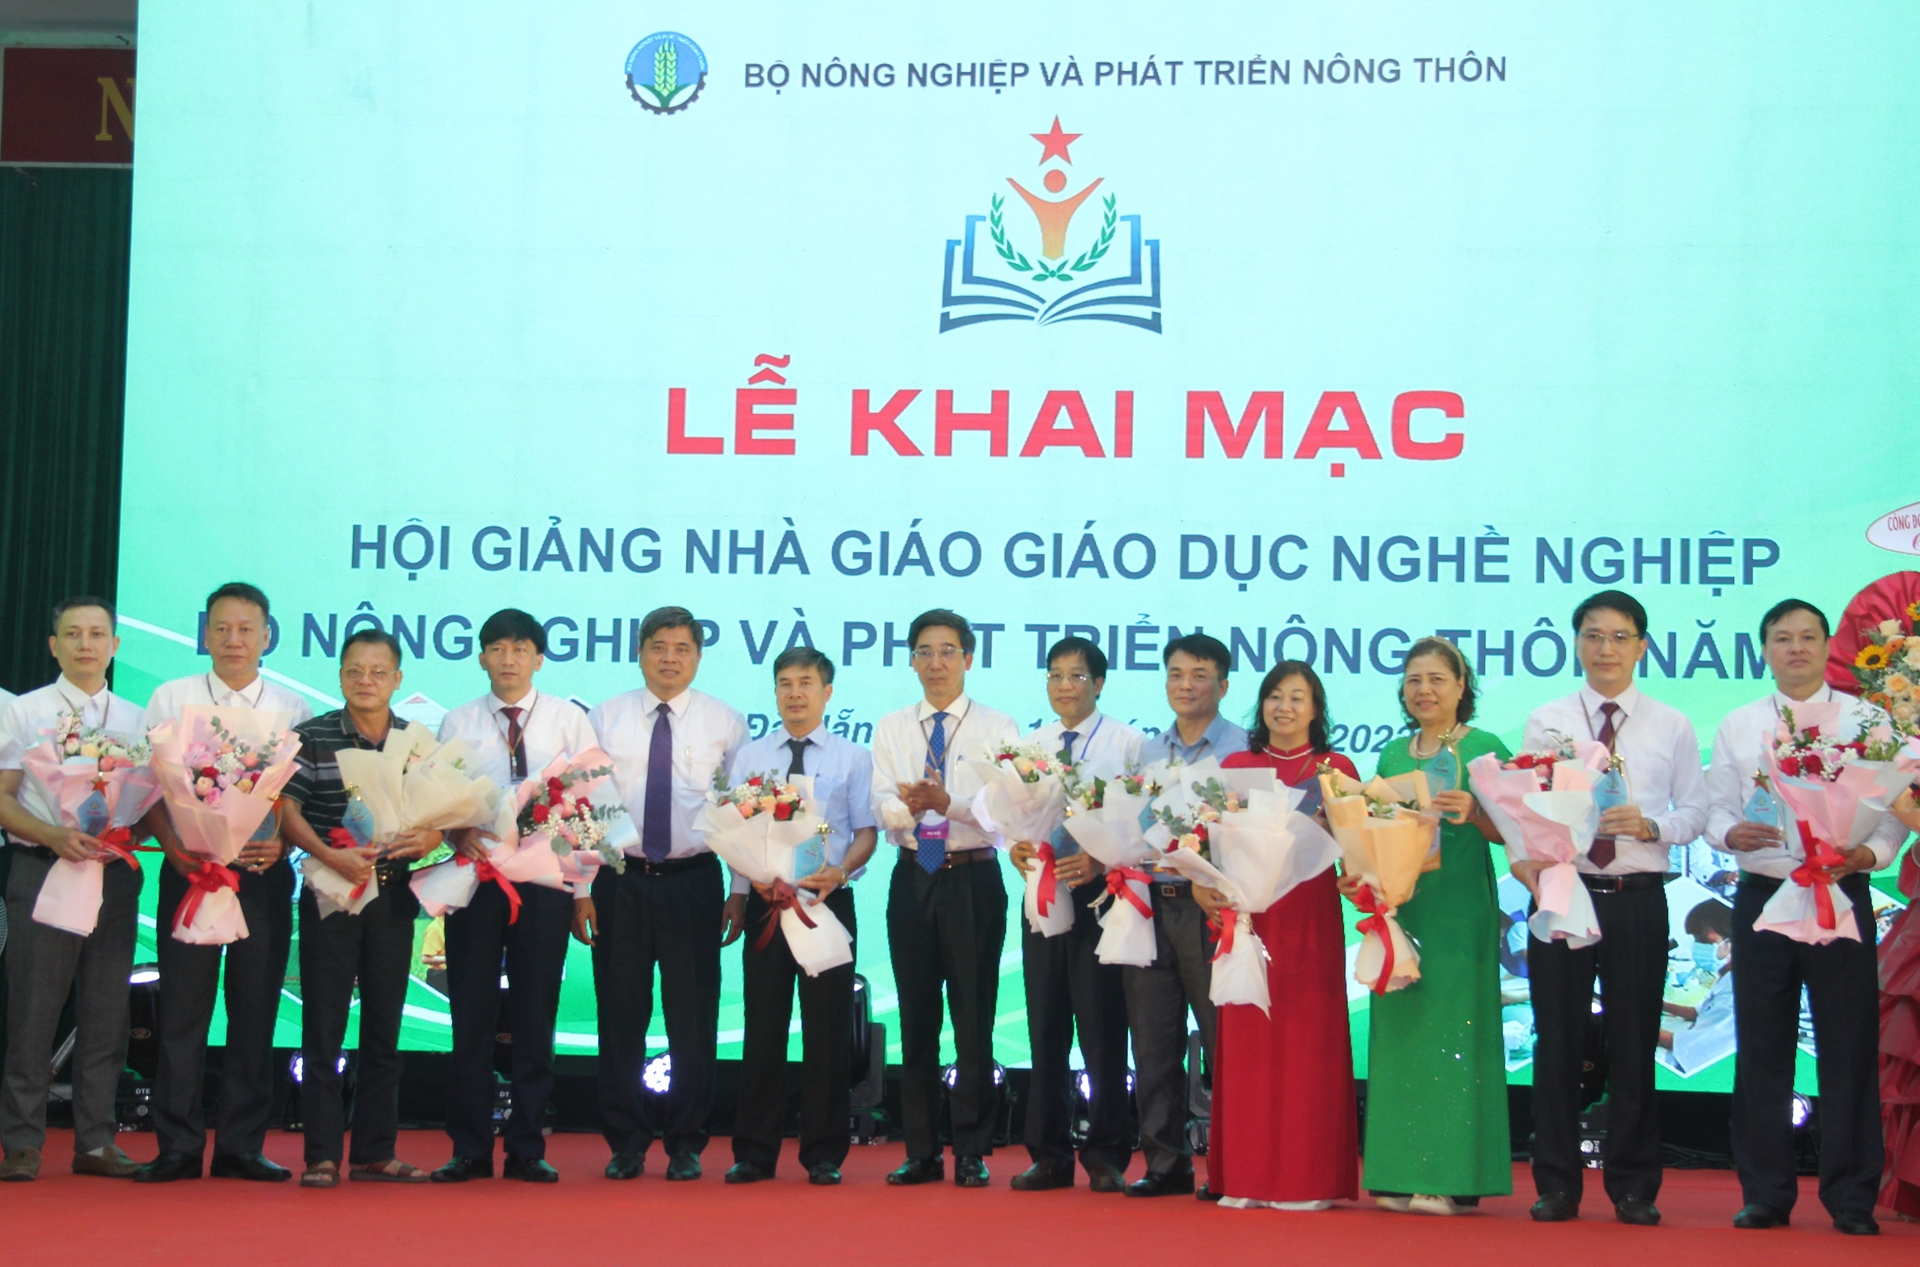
x=1041 y=1178
x=1856 y=1224
x=461 y=1169
x=918 y=1170
x=1205 y=1192
x=823 y=1173
x=1555 y=1207
x=1638 y=1211
x=1104 y=1178
x=748 y=1172
x=1757 y=1215
x=167 y=1167
x=970 y=1172
x=685 y=1166
x=1152 y=1185
x=626 y=1165
x=529 y=1169
x=248 y=1166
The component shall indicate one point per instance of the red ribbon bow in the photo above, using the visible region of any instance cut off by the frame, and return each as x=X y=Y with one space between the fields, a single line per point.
x=1117 y=886
x=1376 y=922
x=211 y=877
x=486 y=872
x=1222 y=922
x=118 y=843
x=785 y=898
x=1043 y=900
x=341 y=838
x=1813 y=873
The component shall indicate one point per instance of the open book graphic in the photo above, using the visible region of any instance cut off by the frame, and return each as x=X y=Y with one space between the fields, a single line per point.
x=1133 y=299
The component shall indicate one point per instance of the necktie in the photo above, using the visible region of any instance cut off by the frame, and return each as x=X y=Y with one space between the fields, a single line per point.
x=656 y=834
x=933 y=850
x=1066 y=744
x=1603 y=846
x=516 y=742
x=799 y=765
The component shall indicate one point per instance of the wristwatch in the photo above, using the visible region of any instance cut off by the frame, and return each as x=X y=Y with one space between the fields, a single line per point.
x=1653 y=826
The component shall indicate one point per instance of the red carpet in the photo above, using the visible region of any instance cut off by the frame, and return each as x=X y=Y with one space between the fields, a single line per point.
x=66 y=1220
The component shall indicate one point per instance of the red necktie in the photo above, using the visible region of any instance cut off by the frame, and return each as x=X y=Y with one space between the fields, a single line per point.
x=516 y=741
x=1603 y=848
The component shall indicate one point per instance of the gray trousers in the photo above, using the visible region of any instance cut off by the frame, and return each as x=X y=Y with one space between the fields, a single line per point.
x=42 y=965
x=1158 y=1000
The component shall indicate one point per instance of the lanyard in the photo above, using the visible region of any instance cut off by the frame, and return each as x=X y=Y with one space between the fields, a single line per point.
x=1614 y=745
x=1086 y=740
x=214 y=698
x=926 y=732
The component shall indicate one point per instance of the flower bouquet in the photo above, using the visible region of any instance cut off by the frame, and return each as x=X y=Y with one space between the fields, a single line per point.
x=768 y=830
x=1544 y=806
x=1023 y=796
x=1888 y=670
x=221 y=771
x=1239 y=832
x=373 y=778
x=1108 y=818
x=101 y=785
x=1386 y=829
x=1838 y=791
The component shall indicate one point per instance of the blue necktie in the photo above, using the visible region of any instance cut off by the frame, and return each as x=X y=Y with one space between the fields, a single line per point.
x=1066 y=744
x=656 y=834
x=933 y=851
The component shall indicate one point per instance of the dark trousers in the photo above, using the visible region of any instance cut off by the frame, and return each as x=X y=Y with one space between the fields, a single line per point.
x=1158 y=999
x=535 y=951
x=373 y=950
x=1843 y=986
x=673 y=921
x=946 y=930
x=1630 y=960
x=43 y=963
x=190 y=978
x=1067 y=985
x=826 y=1045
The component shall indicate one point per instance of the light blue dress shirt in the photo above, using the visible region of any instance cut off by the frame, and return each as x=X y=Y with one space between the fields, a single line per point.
x=842 y=774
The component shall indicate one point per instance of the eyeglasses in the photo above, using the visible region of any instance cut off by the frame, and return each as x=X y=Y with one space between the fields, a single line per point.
x=1066 y=679
x=357 y=676
x=945 y=655
x=1620 y=638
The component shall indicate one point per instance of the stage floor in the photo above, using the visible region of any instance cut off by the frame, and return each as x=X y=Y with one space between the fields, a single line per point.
x=64 y=1219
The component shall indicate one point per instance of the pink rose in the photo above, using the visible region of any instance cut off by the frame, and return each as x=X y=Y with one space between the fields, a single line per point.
x=250 y=760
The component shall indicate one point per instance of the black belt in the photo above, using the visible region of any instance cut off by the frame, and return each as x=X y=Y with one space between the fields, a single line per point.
x=962 y=858
x=1628 y=883
x=670 y=866
x=1174 y=890
x=1767 y=883
x=36 y=851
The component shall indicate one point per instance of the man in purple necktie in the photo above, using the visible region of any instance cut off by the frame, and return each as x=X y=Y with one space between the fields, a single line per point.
x=669 y=907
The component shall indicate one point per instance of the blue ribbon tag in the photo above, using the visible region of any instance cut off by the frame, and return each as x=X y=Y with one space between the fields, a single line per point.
x=92 y=816
x=267 y=828
x=1310 y=803
x=1443 y=771
x=809 y=856
x=1610 y=791
x=358 y=820
x=1764 y=807
x=1064 y=845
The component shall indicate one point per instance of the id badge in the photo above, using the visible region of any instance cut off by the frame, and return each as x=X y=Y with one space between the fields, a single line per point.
x=1610 y=791
x=937 y=830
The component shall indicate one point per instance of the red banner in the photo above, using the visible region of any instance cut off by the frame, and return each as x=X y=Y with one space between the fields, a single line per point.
x=67 y=106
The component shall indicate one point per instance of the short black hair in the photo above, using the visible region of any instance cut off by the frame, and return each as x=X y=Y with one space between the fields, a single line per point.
x=1614 y=601
x=66 y=605
x=1086 y=649
x=240 y=591
x=671 y=618
x=1785 y=608
x=1318 y=730
x=371 y=633
x=804 y=658
x=510 y=624
x=941 y=618
x=1201 y=646
x=1710 y=916
x=1463 y=712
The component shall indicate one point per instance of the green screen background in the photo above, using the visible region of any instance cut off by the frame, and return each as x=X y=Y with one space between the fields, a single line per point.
x=433 y=265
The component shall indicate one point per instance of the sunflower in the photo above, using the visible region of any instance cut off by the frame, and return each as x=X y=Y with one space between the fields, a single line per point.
x=1913 y=611
x=1871 y=657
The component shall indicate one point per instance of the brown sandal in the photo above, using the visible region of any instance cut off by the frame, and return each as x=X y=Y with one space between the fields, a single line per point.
x=321 y=1174
x=392 y=1170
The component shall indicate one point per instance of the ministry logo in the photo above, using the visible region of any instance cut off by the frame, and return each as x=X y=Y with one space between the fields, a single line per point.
x=1114 y=275
x=665 y=72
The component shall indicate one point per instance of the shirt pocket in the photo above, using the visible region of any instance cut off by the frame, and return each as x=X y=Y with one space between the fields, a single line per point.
x=695 y=762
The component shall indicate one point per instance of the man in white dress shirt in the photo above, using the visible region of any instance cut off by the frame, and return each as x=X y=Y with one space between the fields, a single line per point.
x=1626 y=874
x=1066 y=982
x=946 y=902
x=515 y=732
x=670 y=906
x=1841 y=977
x=44 y=963
x=256 y=965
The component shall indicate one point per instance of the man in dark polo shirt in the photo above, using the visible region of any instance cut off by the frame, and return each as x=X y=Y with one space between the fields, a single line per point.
x=373 y=948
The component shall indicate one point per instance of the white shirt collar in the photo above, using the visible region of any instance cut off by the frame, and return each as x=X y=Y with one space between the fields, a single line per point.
x=80 y=701
x=650 y=703
x=249 y=695
x=497 y=705
x=1627 y=700
x=1782 y=700
x=924 y=711
x=1085 y=726
x=813 y=736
